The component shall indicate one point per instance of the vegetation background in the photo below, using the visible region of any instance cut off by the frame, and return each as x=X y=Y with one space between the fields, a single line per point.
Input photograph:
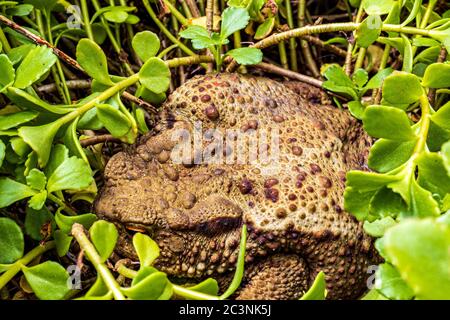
x=79 y=80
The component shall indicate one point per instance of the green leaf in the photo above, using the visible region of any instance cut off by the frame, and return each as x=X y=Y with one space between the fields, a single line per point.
x=422 y=202
x=93 y=60
x=8 y=73
x=140 y=119
x=419 y=251
x=378 y=7
x=265 y=29
x=13 y=191
x=377 y=80
x=58 y=155
x=104 y=236
x=437 y=75
x=374 y=295
x=48 y=280
x=72 y=174
x=19 y=147
x=369 y=31
x=318 y=290
x=246 y=56
x=40 y=139
x=368 y=181
x=25 y=100
x=387 y=122
x=391 y=285
x=116 y=15
x=445 y=152
x=387 y=203
x=413 y=14
x=233 y=19
x=62 y=242
x=114 y=120
x=378 y=227
x=11 y=241
x=155 y=75
x=99 y=290
x=44 y=5
x=240 y=265
x=433 y=174
x=401 y=88
x=357 y=203
x=360 y=77
x=386 y=155
x=72 y=142
x=150 y=288
x=36 y=179
x=208 y=286
x=408 y=54
x=199 y=36
x=339 y=82
x=442 y=117
x=19 y=10
x=38 y=200
x=65 y=223
x=18 y=53
x=38 y=61
x=2 y=152
x=146 y=249
x=146 y=44
x=356 y=108
x=13 y=120
x=35 y=220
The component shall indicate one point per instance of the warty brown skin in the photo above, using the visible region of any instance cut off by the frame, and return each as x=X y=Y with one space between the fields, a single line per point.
x=297 y=224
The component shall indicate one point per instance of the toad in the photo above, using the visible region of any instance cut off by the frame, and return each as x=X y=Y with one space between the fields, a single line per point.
x=234 y=149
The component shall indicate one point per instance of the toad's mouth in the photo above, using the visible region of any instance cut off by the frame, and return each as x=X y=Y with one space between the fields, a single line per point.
x=213 y=226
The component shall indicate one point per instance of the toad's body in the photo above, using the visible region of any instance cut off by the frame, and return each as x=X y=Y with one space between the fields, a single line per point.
x=293 y=207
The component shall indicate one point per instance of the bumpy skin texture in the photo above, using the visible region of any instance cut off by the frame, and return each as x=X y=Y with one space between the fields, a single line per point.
x=297 y=225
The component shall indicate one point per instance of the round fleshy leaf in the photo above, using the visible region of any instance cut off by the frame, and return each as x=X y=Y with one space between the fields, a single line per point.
x=146 y=44
x=104 y=237
x=155 y=75
x=11 y=241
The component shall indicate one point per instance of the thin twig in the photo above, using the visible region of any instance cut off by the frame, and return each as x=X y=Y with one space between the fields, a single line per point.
x=38 y=40
x=193 y=7
x=98 y=139
x=289 y=74
x=71 y=84
x=329 y=47
x=63 y=56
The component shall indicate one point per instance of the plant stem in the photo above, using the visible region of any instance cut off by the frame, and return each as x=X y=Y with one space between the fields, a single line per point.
x=191 y=294
x=4 y=41
x=166 y=51
x=39 y=41
x=177 y=289
x=164 y=30
x=193 y=8
x=62 y=204
x=15 y=268
x=424 y=124
x=292 y=44
x=306 y=50
x=86 y=20
x=282 y=48
x=177 y=14
x=239 y=272
x=92 y=254
x=113 y=40
x=360 y=60
x=289 y=74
